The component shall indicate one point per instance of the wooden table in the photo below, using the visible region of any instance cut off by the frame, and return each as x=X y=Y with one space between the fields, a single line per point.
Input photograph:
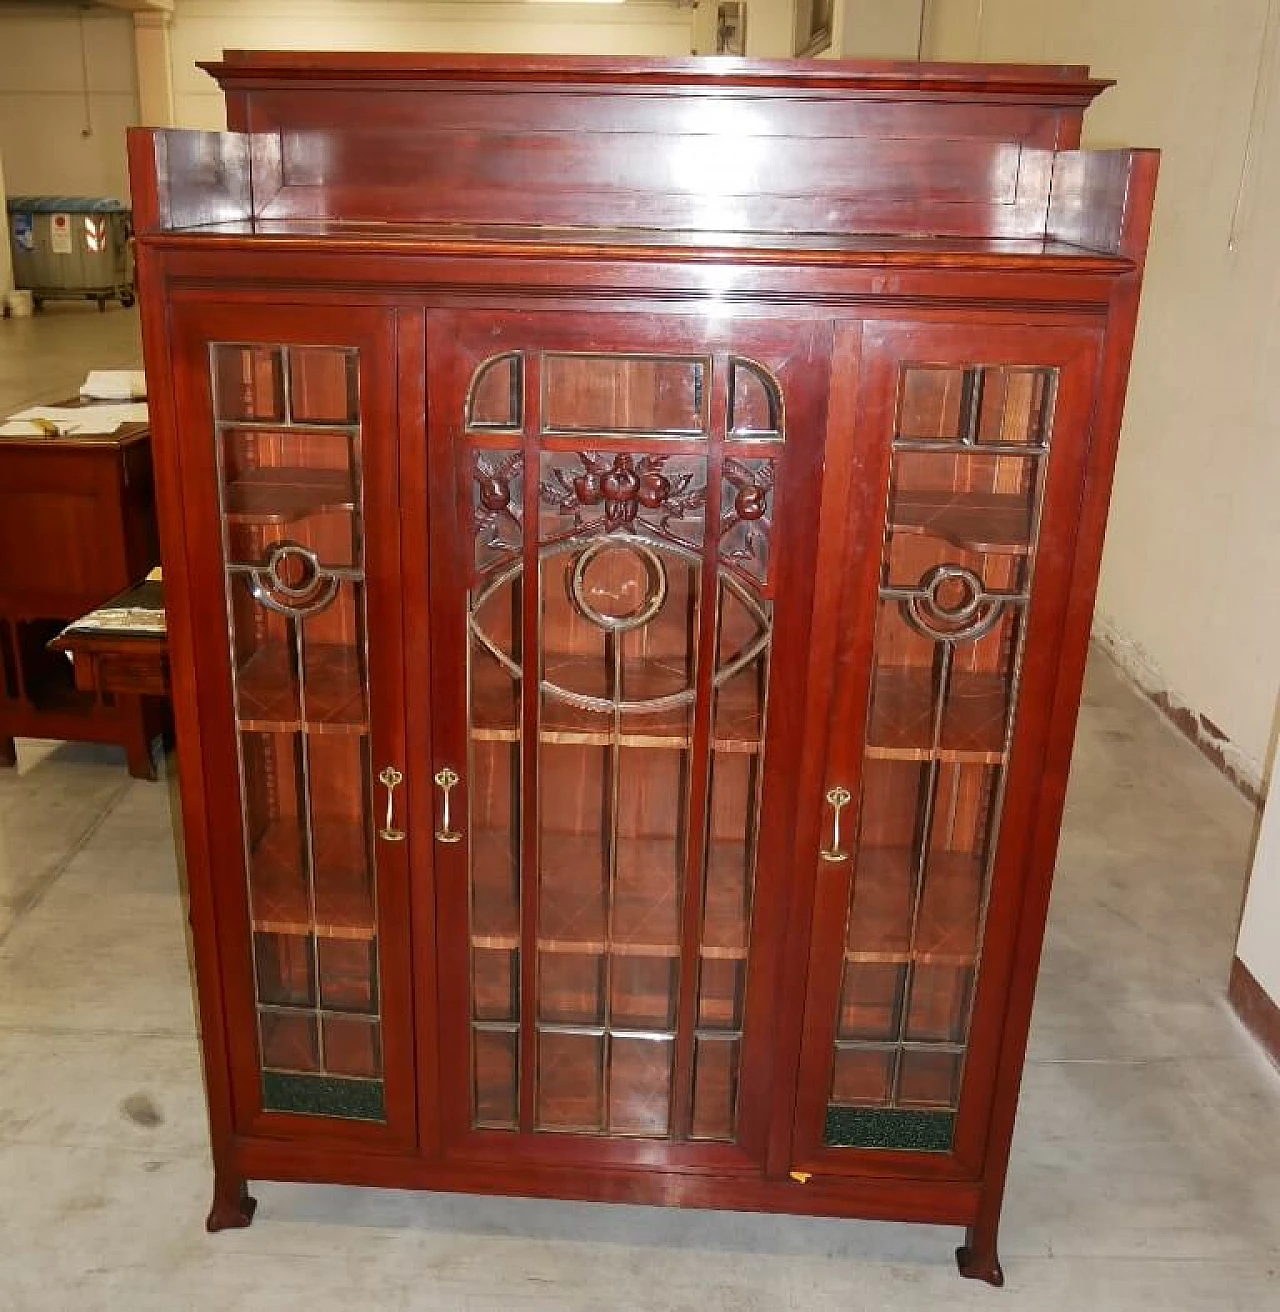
x=77 y=526
x=121 y=649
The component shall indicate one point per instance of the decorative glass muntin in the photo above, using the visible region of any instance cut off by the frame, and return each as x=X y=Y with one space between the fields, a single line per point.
x=621 y=1010
x=287 y=436
x=970 y=453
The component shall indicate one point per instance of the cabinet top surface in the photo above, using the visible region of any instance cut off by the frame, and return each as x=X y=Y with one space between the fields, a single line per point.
x=698 y=246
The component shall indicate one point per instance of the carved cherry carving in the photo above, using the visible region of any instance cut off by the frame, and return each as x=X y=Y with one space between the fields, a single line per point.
x=496 y=504
x=624 y=485
x=746 y=518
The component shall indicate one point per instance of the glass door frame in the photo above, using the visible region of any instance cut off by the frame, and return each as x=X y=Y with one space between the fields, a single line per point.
x=864 y=397
x=457 y=344
x=198 y=323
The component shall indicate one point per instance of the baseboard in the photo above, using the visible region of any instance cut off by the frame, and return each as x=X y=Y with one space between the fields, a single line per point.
x=1243 y=772
x=1259 y=1013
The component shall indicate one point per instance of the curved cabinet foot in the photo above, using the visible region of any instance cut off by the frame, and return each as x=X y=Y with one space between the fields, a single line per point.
x=233 y=1208
x=977 y=1263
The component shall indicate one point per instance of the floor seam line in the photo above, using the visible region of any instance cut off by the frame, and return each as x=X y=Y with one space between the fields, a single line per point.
x=42 y=888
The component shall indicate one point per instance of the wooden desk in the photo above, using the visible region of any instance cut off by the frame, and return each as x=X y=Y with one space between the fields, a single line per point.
x=77 y=526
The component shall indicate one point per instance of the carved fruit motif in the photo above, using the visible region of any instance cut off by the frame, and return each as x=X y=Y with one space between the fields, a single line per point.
x=624 y=485
x=497 y=521
x=746 y=519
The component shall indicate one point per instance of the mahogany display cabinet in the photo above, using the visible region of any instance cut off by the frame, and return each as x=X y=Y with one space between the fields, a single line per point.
x=630 y=532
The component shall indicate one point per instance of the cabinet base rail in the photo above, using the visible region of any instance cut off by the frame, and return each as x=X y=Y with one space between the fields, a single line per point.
x=882 y=1198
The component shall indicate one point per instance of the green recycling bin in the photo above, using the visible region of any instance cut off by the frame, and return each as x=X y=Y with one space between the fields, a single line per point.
x=72 y=248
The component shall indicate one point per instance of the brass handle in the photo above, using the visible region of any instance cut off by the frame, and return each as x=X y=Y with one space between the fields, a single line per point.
x=839 y=799
x=391 y=779
x=447 y=779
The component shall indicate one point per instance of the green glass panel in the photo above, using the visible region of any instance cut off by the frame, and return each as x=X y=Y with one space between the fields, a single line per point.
x=886 y=1127
x=319 y=1095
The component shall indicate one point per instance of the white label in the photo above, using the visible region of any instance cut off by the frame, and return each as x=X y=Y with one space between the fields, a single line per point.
x=60 y=234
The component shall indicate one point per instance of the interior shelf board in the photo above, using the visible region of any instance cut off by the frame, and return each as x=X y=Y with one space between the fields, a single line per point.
x=572 y=912
x=883 y=899
x=494 y=708
x=278 y=495
x=987 y=522
x=902 y=716
x=343 y=889
x=268 y=698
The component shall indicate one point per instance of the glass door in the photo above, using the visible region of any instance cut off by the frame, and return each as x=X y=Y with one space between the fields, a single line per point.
x=933 y=741
x=613 y=593
x=291 y=429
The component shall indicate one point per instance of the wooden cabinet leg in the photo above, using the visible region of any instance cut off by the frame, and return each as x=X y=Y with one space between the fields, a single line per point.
x=8 y=752
x=141 y=763
x=137 y=741
x=978 y=1259
x=233 y=1208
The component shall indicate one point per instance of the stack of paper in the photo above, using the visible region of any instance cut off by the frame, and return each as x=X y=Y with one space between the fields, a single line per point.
x=114 y=385
x=73 y=421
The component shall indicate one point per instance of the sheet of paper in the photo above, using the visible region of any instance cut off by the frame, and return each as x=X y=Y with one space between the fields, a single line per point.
x=114 y=385
x=78 y=421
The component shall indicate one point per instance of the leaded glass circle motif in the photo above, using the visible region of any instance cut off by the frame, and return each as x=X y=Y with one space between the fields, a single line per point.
x=952 y=603
x=618 y=600
x=292 y=581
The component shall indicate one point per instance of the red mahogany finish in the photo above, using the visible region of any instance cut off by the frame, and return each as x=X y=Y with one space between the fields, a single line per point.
x=77 y=524
x=630 y=533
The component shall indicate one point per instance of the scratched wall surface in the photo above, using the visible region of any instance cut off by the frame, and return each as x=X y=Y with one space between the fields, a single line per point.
x=1188 y=600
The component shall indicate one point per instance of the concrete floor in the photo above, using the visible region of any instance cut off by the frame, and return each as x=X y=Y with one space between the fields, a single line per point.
x=1146 y=1168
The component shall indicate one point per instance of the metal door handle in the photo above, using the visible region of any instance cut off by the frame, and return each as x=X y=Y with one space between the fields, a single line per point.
x=391 y=779
x=839 y=799
x=447 y=779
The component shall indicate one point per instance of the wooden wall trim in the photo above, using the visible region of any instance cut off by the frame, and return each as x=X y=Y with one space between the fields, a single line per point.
x=1259 y=1012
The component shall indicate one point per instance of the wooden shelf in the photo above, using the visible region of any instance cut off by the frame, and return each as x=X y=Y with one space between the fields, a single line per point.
x=973 y=521
x=902 y=711
x=268 y=699
x=880 y=916
x=737 y=725
x=270 y=495
x=572 y=919
x=343 y=889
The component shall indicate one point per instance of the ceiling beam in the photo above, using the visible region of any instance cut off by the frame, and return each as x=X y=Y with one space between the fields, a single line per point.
x=139 y=6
